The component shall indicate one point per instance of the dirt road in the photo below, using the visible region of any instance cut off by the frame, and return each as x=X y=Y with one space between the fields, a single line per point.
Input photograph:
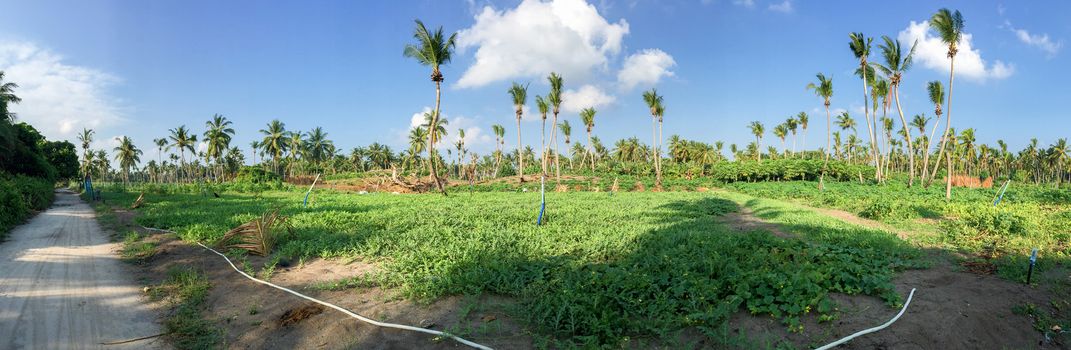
x=62 y=286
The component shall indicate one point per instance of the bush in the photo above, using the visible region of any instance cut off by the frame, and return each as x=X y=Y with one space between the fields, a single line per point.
x=19 y=196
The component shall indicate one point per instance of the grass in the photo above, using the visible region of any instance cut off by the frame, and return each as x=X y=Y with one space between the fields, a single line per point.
x=186 y=289
x=603 y=271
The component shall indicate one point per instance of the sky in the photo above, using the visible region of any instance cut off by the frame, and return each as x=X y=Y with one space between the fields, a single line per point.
x=139 y=68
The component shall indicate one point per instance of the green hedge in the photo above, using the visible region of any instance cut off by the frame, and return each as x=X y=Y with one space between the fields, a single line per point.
x=19 y=196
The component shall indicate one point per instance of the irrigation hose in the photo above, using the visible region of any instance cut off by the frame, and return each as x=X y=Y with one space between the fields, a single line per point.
x=870 y=330
x=340 y=309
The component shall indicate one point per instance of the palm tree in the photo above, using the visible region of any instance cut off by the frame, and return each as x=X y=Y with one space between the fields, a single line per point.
x=845 y=122
x=102 y=165
x=936 y=93
x=432 y=49
x=781 y=131
x=587 y=116
x=7 y=95
x=85 y=137
x=757 y=129
x=949 y=26
x=824 y=89
x=803 y=120
x=128 y=156
x=555 y=99
x=318 y=146
x=182 y=139
x=160 y=144
x=654 y=103
x=500 y=139
x=218 y=136
x=860 y=46
x=296 y=145
x=544 y=107
x=896 y=63
x=519 y=96
x=567 y=131
x=274 y=142
x=791 y=125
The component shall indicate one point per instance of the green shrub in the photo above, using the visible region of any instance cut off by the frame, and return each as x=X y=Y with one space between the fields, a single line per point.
x=19 y=196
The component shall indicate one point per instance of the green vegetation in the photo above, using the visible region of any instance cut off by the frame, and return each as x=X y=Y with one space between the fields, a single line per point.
x=187 y=289
x=666 y=264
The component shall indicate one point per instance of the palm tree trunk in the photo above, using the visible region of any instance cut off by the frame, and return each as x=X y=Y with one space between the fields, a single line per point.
x=543 y=146
x=431 y=139
x=520 y=153
x=907 y=135
x=554 y=140
x=825 y=163
x=870 y=130
x=948 y=126
x=590 y=152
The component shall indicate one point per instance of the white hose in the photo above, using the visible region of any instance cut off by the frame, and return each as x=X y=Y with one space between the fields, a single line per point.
x=871 y=330
x=340 y=309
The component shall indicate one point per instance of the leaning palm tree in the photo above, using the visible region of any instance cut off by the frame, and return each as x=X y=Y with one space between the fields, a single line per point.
x=654 y=103
x=128 y=156
x=757 y=129
x=86 y=137
x=432 y=49
x=860 y=46
x=182 y=139
x=896 y=63
x=936 y=93
x=587 y=116
x=949 y=26
x=544 y=107
x=824 y=89
x=519 y=96
x=555 y=99
x=274 y=142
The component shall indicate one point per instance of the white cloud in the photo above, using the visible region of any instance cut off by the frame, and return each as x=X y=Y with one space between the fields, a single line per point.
x=58 y=98
x=536 y=38
x=587 y=96
x=933 y=54
x=646 y=67
x=783 y=7
x=475 y=135
x=744 y=3
x=1040 y=41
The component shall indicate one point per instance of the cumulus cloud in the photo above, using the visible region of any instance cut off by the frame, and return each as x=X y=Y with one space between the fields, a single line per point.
x=58 y=98
x=536 y=38
x=932 y=53
x=645 y=67
x=587 y=96
x=1040 y=41
x=783 y=7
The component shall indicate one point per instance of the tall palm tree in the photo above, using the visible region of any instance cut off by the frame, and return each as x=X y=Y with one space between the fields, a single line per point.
x=587 y=116
x=824 y=89
x=160 y=144
x=803 y=120
x=757 y=129
x=845 y=122
x=791 y=125
x=128 y=156
x=519 y=96
x=254 y=145
x=296 y=145
x=274 y=142
x=318 y=146
x=567 y=131
x=896 y=63
x=555 y=99
x=85 y=138
x=500 y=139
x=544 y=107
x=182 y=139
x=936 y=94
x=218 y=136
x=860 y=46
x=781 y=131
x=432 y=49
x=949 y=26
x=654 y=103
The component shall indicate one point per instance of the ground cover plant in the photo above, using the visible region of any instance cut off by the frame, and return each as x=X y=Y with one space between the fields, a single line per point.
x=665 y=264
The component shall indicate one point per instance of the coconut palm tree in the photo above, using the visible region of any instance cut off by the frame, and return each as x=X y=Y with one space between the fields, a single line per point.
x=128 y=156
x=274 y=142
x=432 y=49
x=519 y=96
x=860 y=46
x=254 y=145
x=544 y=107
x=791 y=125
x=949 y=26
x=85 y=138
x=555 y=99
x=500 y=139
x=803 y=120
x=896 y=63
x=654 y=103
x=781 y=131
x=845 y=122
x=757 y=129
x=936 y=94
x=824 y=89
x=296 y=144
x=318 y=146
x=182 y=139
x=567 y=131
x=7 y=96
x=218 y=136
x=587 y=116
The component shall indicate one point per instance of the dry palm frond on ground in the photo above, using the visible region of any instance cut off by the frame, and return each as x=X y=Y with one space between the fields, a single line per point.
x=137 y=202
x=257 y=236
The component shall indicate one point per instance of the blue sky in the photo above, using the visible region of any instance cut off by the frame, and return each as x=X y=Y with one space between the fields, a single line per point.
x=138 y=68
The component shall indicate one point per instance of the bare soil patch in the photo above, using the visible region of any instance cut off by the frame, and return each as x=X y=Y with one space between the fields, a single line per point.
x=744 y=219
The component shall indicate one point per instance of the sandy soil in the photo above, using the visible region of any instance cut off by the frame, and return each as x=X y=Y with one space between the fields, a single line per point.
x=62 y=286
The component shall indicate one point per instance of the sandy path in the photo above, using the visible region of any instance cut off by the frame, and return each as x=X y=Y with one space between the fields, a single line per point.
x=63 y=287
